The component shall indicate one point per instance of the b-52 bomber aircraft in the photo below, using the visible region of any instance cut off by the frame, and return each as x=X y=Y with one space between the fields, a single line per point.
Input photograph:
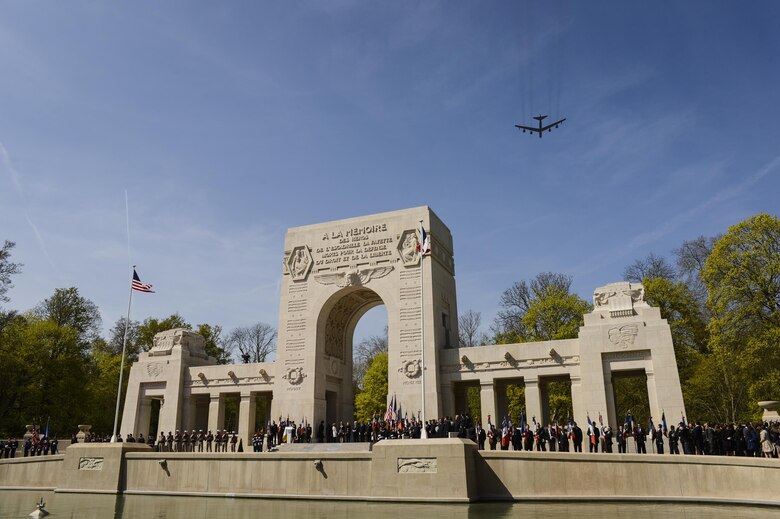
x=541 y=129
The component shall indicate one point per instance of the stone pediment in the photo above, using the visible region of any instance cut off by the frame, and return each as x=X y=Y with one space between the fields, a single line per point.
x=619 y=298
x=187 y=340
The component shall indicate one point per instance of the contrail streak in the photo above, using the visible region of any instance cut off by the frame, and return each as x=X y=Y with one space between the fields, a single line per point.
x=17 y=181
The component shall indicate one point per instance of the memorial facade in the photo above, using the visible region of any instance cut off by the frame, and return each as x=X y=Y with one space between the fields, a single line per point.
x=332 y=274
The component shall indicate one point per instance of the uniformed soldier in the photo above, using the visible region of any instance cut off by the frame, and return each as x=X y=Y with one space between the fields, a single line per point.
x=640 y=437
x=209 y=441
x=161 y=443
x=674 y=437
x=201 y=439
x=177 y=440
x=659 y=440
x=621 y=439
x=169 y=442
x=233 y=442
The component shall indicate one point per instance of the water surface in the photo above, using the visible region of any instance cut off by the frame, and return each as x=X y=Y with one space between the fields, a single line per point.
x=18 y=504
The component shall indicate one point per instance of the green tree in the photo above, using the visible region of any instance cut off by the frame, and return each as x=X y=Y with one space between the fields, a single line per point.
x=45 y=369
x=742 y=277
x=116 y=336
x=539 y=310
x=680 y=307
x=215 y=344
x=101 y=388
x=373 y=398
x=66 y=307
x=7 y=269
x=152 y=326
x=363 y=355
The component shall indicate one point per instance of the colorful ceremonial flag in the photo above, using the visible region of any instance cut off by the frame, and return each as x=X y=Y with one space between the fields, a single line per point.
x=522 y=421
x=137 y=285
x=683 y=419
x=425 y=241
x=555 y=417
x=601 y=420
x=652 y=426
x=389 y=412
x=663 y=422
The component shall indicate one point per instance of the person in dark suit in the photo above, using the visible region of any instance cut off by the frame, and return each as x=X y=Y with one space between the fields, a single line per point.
x=658 y=436
x=674 y=437
x=577 y=437
x=481 y=437
x=640 y=437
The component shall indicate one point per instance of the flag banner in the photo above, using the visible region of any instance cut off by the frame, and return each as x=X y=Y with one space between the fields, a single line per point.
x=425 y=241
x=663 y=422
x=141 y=287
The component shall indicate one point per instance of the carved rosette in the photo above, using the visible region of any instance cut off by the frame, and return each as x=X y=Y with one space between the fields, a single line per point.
x=299 y=263
x=294 y=376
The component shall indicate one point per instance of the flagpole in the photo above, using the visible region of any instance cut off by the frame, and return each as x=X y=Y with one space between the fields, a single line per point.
x=122 y=364
x=424 y=431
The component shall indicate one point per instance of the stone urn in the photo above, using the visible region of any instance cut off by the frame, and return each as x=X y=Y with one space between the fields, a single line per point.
x=81 y=436
x=770 y=410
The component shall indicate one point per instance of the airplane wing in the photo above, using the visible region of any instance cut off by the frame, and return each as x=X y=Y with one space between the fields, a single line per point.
x=552 y=125
x=528 y=128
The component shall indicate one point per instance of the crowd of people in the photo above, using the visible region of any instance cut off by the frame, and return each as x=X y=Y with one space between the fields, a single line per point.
x=694 y=438
x=33 y=445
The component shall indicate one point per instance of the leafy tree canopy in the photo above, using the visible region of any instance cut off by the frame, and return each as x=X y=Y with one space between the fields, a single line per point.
x=66 y=307
x=373 y=398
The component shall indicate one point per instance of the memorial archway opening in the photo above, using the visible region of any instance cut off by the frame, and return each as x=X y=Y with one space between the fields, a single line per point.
x=335 y=347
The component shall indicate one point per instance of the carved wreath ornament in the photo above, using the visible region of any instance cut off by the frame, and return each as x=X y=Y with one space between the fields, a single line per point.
x=294 y=376
x=411 y=368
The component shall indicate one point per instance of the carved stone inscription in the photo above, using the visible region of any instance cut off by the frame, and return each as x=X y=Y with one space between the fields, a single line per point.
x=90 y=463
x=417 y=465
x=368 y=243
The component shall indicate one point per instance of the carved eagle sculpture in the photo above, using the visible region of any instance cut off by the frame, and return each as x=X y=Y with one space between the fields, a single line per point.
x=353 y=277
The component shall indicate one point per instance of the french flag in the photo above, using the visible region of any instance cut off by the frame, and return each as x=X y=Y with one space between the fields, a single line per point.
x=425 y=242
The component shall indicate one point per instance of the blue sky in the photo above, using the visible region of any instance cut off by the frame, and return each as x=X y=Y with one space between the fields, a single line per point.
x=228 y=122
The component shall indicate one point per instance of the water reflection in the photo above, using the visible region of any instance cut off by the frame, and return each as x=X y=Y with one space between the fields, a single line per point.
x=18 y=504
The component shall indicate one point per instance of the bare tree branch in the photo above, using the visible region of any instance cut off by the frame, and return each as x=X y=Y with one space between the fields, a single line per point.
x=252 y=343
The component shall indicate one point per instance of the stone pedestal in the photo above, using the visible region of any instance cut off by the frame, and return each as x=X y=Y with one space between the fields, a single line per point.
x=81 y=436
x=96 y=467
x=425 y=470
x=770 y=408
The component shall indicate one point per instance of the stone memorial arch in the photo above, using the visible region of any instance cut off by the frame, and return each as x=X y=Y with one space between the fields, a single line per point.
x=332 y=274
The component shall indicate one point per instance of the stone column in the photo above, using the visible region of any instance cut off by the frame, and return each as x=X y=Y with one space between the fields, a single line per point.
x=576 y=401
x=448 y=401
x=533 y=403
x=487 y=399
x=609 y=393
x=246 y=419
x=544 y=404
x=216 y=413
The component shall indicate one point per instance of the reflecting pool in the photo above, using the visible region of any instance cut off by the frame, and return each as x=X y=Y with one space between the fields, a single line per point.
x=18 y=504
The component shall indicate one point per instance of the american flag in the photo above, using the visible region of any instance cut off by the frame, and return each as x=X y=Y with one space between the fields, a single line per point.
x=137 y=285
